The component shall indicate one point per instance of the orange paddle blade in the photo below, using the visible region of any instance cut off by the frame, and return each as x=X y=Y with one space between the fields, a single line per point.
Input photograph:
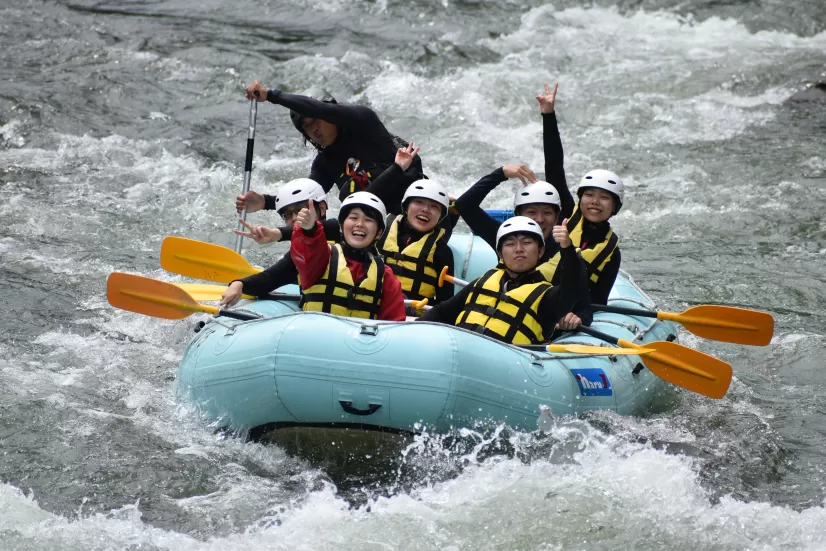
x=686 y=367
x=149 y=296
x=597 y=350
x=725 y=323
x=203 y=260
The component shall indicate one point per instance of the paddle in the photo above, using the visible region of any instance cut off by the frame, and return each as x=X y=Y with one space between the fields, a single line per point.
x=450 y=279
x=207 y=292
x=204 y=260
x=718 y=323
x=672 y=362
x=159 y=299
x=677 y=364
x=247 y=169
x=586 y=349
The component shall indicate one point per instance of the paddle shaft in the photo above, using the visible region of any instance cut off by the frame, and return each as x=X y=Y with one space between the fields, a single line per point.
x=456 y=281
x=602 y=336
x=296 y=298
x=626 y=311
x=235 y=315
x=247 y=169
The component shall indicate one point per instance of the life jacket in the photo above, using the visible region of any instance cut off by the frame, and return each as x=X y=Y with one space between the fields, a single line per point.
x=595 y=257
x=413 y=265
x=512 y=317
x=336 y=293
x=354 y=178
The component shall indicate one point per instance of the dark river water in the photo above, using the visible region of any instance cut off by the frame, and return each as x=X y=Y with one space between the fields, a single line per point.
x=122 y=122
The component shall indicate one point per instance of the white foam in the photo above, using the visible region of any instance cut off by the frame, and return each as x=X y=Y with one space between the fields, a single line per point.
x=601 y=495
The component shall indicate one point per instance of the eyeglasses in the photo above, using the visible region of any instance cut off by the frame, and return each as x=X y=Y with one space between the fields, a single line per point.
x=290 y=211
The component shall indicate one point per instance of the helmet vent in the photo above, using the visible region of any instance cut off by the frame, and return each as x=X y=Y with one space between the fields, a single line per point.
x=589 y=177
x=296 y=191
x=612 y=182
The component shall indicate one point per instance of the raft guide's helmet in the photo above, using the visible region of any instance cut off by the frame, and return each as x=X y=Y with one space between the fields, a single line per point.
x=369 y=203
x=537 y=192
x=298 y=191
x=603 y=179
x=316 y=93
x=518 y=224
x=427 y=189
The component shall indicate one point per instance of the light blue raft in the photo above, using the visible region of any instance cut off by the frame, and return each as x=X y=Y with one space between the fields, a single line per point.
x=294 y=368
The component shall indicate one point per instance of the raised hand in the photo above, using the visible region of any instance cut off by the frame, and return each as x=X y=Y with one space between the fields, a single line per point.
x=405 y=156
x=561 y=236
x=547 y=100
x=260 y=234
x=256 y=91
x=522 y=172
x=251 y=200
x=306 y=218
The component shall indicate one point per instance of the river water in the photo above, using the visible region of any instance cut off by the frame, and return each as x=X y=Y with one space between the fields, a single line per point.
x=122 y=122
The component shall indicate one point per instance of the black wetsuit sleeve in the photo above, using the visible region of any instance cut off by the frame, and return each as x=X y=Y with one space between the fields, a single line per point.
x=448 y=311
x=279 y=274
x=269 y=202
x=319 y=172
x=469 y=207
x=389 y=186
x=602 y=288
x=555 y=163
x=356 y=118
x=582 y=306
x=443 y=257
x=331 y=229
x=560 y=300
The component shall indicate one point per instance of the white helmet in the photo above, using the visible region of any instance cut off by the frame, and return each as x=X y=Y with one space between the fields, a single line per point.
x=427 y=189
x=362 y=199
x=518 y=224
x=603 y=179
x=537 y=192
x=298 y=191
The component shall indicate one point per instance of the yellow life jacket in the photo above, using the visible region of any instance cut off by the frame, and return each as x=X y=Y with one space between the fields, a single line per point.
x=414 y=265
x=336 y=293
x=512 y=317
x=595 y=258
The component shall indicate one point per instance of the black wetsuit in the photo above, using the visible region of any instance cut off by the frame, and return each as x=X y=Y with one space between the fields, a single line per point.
x=592 y=234
x=555 y=304
x=483 y=225
x=389 y=187
x=361 y=136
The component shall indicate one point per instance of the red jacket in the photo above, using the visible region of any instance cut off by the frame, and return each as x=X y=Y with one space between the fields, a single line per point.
x=311 y=255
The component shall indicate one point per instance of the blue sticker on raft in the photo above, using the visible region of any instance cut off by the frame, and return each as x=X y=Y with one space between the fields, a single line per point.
x=592 y=382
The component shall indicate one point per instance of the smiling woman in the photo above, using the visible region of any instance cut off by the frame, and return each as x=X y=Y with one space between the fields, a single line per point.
x=415 y=244
x=347 y=279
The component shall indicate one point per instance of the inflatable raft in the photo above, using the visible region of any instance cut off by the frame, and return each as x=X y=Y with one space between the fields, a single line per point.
x=292 y=368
